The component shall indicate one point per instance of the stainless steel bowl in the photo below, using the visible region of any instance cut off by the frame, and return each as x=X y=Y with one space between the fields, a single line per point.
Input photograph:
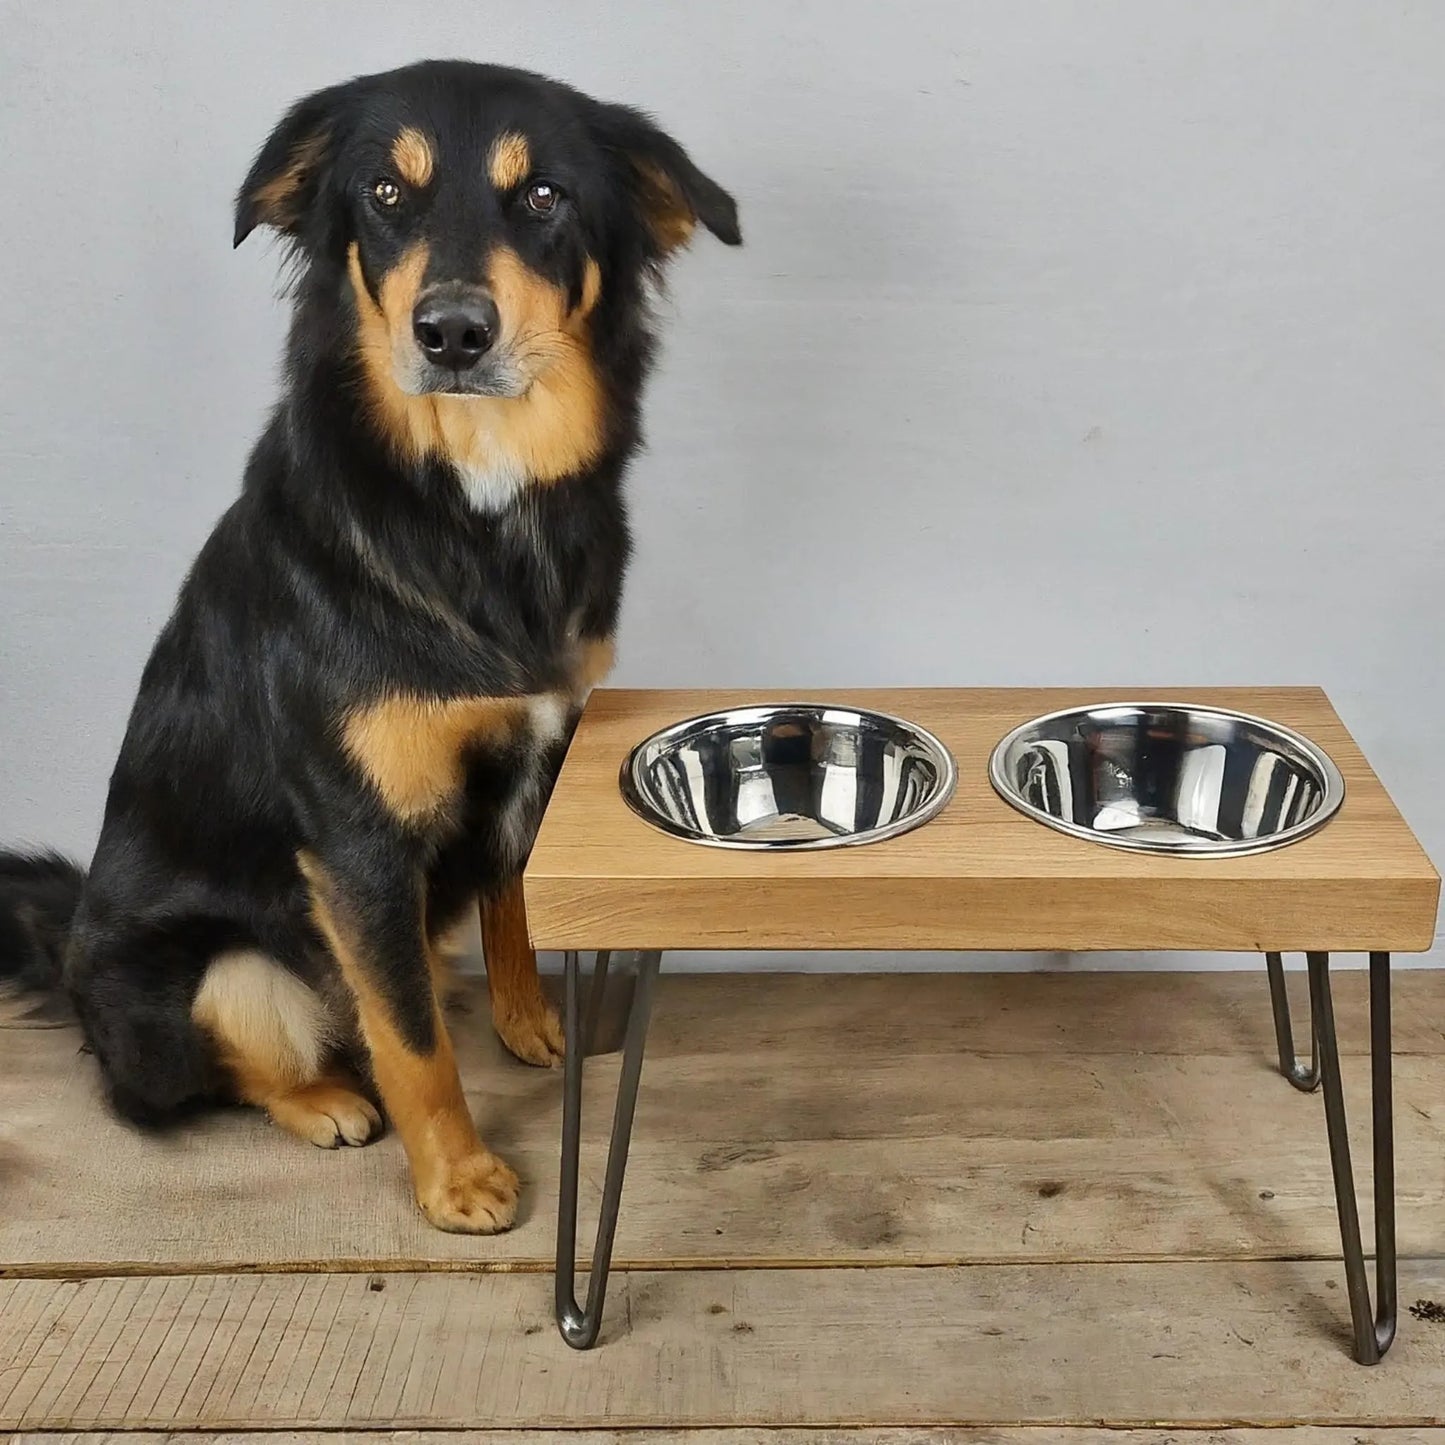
x=788 y=775
x=1168 y=778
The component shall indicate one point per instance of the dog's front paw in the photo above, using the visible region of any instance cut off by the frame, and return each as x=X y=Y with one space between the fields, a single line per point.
x=477 y=1195
x=534 y=1035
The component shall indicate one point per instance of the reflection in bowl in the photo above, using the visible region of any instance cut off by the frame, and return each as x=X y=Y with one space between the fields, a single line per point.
x=1168 y=778
x=790 y=775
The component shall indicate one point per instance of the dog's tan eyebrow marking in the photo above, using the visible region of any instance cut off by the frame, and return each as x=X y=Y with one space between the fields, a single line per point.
x=411 y=154
x=509 y=161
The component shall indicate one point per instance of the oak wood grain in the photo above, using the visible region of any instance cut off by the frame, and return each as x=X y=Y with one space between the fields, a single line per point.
x=980 y=875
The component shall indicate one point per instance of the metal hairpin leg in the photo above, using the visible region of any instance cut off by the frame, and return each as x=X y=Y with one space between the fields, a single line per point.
x=579 y=1326
x=1305 y=1077
x=595 y=992
x=1374 y=1329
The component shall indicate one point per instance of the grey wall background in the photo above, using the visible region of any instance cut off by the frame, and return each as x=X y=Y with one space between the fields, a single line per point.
x=1072 y=342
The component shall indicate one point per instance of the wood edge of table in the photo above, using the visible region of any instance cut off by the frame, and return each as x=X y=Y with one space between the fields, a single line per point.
x=997 y=916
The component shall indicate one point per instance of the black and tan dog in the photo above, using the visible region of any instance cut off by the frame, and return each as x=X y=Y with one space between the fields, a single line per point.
x=349 y=726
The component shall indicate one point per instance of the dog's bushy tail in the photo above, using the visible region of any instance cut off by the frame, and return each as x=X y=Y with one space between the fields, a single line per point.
x=39 y=893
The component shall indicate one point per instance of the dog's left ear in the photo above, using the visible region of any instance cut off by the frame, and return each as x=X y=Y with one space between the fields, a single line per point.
x=288 y=176
x=672 y=194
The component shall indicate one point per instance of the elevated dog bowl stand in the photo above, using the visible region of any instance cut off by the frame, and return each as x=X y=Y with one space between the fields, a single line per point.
x=979 y=876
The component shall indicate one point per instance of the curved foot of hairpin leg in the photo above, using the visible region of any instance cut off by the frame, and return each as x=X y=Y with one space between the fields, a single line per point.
x=1305 y=1077
x=1373 y=1329
x=579 y=1325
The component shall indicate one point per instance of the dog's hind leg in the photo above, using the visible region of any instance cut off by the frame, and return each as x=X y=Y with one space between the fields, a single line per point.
x=273 y=1037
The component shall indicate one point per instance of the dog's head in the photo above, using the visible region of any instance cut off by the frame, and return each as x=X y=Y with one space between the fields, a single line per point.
x=477 y=216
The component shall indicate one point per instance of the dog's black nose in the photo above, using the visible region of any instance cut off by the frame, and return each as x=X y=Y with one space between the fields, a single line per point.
x=455 y=333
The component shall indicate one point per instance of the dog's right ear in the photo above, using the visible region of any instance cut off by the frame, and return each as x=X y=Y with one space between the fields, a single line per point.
x=289 y=175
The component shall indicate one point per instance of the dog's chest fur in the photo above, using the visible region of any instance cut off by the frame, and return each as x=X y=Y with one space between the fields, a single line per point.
x=481 y=746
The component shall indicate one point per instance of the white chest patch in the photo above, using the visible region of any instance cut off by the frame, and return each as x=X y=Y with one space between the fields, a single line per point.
x=493 y=487
x=548 y=711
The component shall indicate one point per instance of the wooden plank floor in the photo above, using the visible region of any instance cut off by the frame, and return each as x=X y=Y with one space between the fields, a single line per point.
x=948 y=1435
x=1082 y=1201
x=1213 y=1343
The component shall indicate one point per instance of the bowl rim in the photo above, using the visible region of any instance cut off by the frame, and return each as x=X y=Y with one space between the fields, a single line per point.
x=632 y=792
x=1334 y=784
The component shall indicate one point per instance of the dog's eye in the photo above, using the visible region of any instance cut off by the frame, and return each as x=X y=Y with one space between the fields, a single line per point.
x=386 y=193
x=542 y=198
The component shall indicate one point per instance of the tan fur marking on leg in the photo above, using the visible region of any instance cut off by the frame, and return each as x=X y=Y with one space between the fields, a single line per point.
x=442 y=958
x=411 y=748
x=525 y=1022
x=509 y=162
x=411 y=154
x=460 y=1185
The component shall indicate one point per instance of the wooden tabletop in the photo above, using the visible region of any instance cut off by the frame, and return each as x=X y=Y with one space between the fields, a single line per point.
x=980 y=875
